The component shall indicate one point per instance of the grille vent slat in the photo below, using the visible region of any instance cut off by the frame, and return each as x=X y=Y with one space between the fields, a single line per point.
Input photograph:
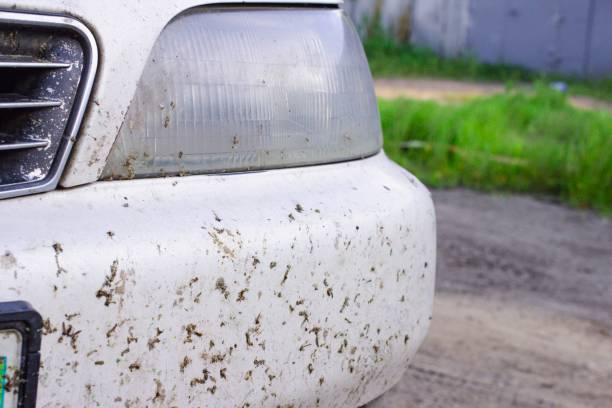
x=13 y=101
x=47 y=65
x=7 y=143
x=21 y=62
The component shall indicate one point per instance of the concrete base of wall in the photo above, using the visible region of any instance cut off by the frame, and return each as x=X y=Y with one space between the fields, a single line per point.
x=563 y=36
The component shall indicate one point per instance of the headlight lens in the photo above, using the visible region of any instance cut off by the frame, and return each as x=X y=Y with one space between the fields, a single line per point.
x=244 y=89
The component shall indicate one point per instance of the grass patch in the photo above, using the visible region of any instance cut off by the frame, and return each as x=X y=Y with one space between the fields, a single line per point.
x=390 y=59
x=534 y=143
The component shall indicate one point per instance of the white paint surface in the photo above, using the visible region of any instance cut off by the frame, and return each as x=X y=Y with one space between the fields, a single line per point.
x=308 y=286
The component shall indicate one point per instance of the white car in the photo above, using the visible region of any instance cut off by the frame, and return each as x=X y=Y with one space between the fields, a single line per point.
x=196 y=211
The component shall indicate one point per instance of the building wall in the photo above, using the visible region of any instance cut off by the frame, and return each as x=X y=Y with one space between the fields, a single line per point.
x=566 y=36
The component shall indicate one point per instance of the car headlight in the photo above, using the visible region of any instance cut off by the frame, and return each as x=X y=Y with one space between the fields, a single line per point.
x=235 y=89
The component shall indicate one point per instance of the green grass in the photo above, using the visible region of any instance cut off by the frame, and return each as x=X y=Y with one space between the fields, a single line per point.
x=389 y=59
x=513 y=141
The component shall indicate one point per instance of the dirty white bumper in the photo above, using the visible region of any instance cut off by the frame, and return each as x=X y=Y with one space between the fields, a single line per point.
x=307 y=286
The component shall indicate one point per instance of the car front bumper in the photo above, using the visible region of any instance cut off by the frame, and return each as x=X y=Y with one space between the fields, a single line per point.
x=309 y=286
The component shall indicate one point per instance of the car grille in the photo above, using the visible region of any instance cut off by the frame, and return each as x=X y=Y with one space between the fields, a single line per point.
x=47 y=65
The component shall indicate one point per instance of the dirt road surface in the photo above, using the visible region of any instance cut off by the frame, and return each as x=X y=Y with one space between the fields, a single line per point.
x=446 y=90
x=523 y=313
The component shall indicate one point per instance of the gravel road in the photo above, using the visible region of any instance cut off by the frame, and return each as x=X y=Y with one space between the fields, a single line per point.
x=523 y=310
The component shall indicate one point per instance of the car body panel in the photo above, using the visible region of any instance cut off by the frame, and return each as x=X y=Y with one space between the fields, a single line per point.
x=298 y=287
x=125 y=31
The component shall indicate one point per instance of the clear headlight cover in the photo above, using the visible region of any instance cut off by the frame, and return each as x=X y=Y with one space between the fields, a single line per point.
x=247 y=89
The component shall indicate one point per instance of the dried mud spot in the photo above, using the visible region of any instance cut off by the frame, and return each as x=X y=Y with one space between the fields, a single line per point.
x=47 y=327
x=68 y=331
x=153 y=341
x=286 y=274
x=109 y=332
x=11 y=382
x=304 y=315
x=58 y=249
x=256 y=261
x=200 y=380
x=247 y=336
x=222 y=287
x=345 y=304
x=222 y=246
x=160 y=393
x=192 y=330
x=184 y=363
x=241 y=295
x=8 y=260
x=109 y=287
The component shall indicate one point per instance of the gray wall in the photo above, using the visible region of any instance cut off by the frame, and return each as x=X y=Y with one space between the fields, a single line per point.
x=567 y=36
